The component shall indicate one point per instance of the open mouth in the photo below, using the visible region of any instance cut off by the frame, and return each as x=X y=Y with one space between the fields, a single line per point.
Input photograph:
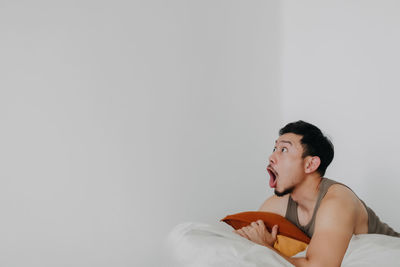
x=273 y=175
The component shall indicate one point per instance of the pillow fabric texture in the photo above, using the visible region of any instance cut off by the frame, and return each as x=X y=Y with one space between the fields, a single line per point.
x=290 y=239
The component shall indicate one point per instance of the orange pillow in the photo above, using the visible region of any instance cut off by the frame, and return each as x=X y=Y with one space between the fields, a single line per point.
x=290 y=240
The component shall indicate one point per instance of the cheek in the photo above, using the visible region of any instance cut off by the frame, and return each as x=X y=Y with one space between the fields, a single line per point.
x=293 y=167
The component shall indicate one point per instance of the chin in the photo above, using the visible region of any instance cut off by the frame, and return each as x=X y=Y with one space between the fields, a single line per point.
x=284 y=192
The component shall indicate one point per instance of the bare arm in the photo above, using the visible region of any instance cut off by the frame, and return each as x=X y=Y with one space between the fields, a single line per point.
x=275 y=204
x=334 y=227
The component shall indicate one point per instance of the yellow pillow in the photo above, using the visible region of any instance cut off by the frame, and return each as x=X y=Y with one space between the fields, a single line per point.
x=289 y=246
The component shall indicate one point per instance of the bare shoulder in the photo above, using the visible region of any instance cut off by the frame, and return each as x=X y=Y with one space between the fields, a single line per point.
x=341 y=194
x=339 y=203
x=275 y=204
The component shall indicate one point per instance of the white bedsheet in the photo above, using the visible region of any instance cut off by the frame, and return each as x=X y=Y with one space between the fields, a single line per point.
x=201 y=245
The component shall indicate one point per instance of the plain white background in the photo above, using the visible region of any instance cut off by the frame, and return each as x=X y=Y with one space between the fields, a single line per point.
x=121 y=119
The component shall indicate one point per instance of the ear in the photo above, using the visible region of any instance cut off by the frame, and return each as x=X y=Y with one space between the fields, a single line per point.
x=312 y=164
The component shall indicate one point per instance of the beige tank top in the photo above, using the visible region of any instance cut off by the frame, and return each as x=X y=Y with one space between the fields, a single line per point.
x=375 y=226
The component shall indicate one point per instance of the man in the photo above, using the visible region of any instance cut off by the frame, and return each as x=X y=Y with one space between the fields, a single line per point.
x=328 y=212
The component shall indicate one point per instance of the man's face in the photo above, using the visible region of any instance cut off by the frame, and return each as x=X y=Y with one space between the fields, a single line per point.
x=286 y=165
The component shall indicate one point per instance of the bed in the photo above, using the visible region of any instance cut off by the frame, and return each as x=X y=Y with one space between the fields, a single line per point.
x=198 y=244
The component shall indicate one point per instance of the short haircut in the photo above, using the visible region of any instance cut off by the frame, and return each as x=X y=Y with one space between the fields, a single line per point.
x=314 y=142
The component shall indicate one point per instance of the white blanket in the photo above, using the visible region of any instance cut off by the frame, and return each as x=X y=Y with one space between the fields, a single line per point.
x=202 y=245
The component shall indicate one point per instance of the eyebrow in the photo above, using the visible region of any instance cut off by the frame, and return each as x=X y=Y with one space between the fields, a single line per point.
x=284 y=141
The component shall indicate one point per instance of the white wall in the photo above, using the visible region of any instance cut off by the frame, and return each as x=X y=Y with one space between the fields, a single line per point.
x=340 y=62
x=121 y=119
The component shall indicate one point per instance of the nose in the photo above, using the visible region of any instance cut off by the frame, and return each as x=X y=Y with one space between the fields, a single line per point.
x=272 y=158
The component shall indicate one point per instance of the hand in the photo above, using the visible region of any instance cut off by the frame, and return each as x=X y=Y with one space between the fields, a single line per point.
x=258 y=233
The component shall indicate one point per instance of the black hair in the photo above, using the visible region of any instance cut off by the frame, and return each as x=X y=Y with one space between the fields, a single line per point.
x=314 y=142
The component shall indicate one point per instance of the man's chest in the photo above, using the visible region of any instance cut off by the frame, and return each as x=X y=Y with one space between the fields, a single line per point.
x=304 y=216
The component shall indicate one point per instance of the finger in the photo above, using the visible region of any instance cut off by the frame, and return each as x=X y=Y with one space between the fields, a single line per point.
x=274 y=231
x=246 y=230
x=261 y=222
x=242 y=233
x=254 y=224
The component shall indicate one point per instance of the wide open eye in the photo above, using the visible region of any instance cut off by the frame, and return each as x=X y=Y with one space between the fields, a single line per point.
x=273 y=150
x=284 y=149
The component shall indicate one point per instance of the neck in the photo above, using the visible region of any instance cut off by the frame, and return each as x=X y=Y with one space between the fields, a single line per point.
x=306 y=193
